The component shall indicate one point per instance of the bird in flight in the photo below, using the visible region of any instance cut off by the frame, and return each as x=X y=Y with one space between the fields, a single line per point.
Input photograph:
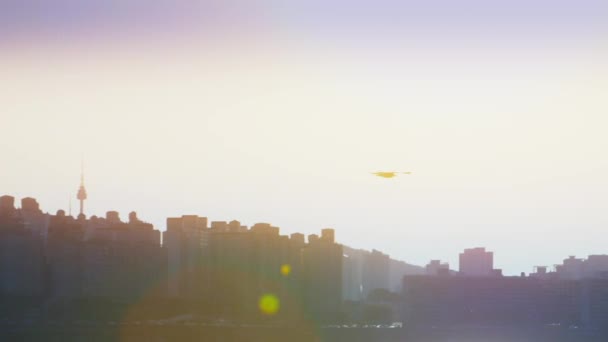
x=389 y=174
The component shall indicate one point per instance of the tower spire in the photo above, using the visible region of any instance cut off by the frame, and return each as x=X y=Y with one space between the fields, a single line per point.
x=82 y=192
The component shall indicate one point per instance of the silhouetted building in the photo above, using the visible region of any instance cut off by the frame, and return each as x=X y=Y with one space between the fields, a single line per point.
x=294 y=278
x=184 y=241
x=298 y=239
x=34 y=220
x=244 y=265
x=21 y=254
x=358 y=272
x=123 y=260
x=328 y=235
x=7 y=207
x=322 y=274
x=476 y=262
x=64 y=251
x=445 y=302
x=352 y=274
x=397 y=269
x=30 y=205
x=596 y=267
x=594 y=305
x=375 y=272
x=219 y=226
x=571 y=269
x=235 y=226
x=437 y=268
x=541 y=272
x=79 y=258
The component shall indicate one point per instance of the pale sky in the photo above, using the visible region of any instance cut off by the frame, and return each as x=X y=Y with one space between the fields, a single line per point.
x=266 y=112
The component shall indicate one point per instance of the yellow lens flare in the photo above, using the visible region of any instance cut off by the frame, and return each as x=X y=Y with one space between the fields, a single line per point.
x=269 y=304
x=285 y=270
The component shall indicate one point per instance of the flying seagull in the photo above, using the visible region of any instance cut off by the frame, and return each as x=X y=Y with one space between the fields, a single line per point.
x=389 y=174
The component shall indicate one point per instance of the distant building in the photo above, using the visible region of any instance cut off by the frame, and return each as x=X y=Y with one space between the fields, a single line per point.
x=375 y=272
x=352 y=274
x=230 y=272
x=397 y=269
x=65 y=254
x=571 y=269
x=444 y=302
x=22 y=260
x=243 y=265
x=593 y=303
x=219 y=226
x=123 y=260
x=541 y=272
x=328 y=235
x=183 y=242
x=7 y=208
x=322 y=277
x=476 y=262
x=358 y=273
x=235 y=226
x=35 y=221
x=596 y=267
x=437 y=268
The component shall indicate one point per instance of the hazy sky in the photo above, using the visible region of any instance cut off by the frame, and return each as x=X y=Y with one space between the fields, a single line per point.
x=277 y=111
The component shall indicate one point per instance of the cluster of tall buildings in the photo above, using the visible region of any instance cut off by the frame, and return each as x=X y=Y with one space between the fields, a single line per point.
x=477 y=262
x=60 y=256
x=225 y=265
x=230 y=266
x=365 y=271
x=230 y=269
x=22 y=271
x=574 y=295
x=473 y=262
x=573 y=268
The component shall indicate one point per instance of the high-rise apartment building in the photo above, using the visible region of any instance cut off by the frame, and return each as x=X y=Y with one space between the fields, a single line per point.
x=184 y=241
x=476 y=262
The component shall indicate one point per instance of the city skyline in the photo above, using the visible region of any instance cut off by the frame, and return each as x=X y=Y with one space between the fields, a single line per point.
x=527 y=266
x=50 y=228
x=94 y=274
x=466 y=267
x=304 y=170
x=279 y=110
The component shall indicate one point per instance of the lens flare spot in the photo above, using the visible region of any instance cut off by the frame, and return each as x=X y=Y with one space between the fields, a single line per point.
x=269 y=304
x=285 y=270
